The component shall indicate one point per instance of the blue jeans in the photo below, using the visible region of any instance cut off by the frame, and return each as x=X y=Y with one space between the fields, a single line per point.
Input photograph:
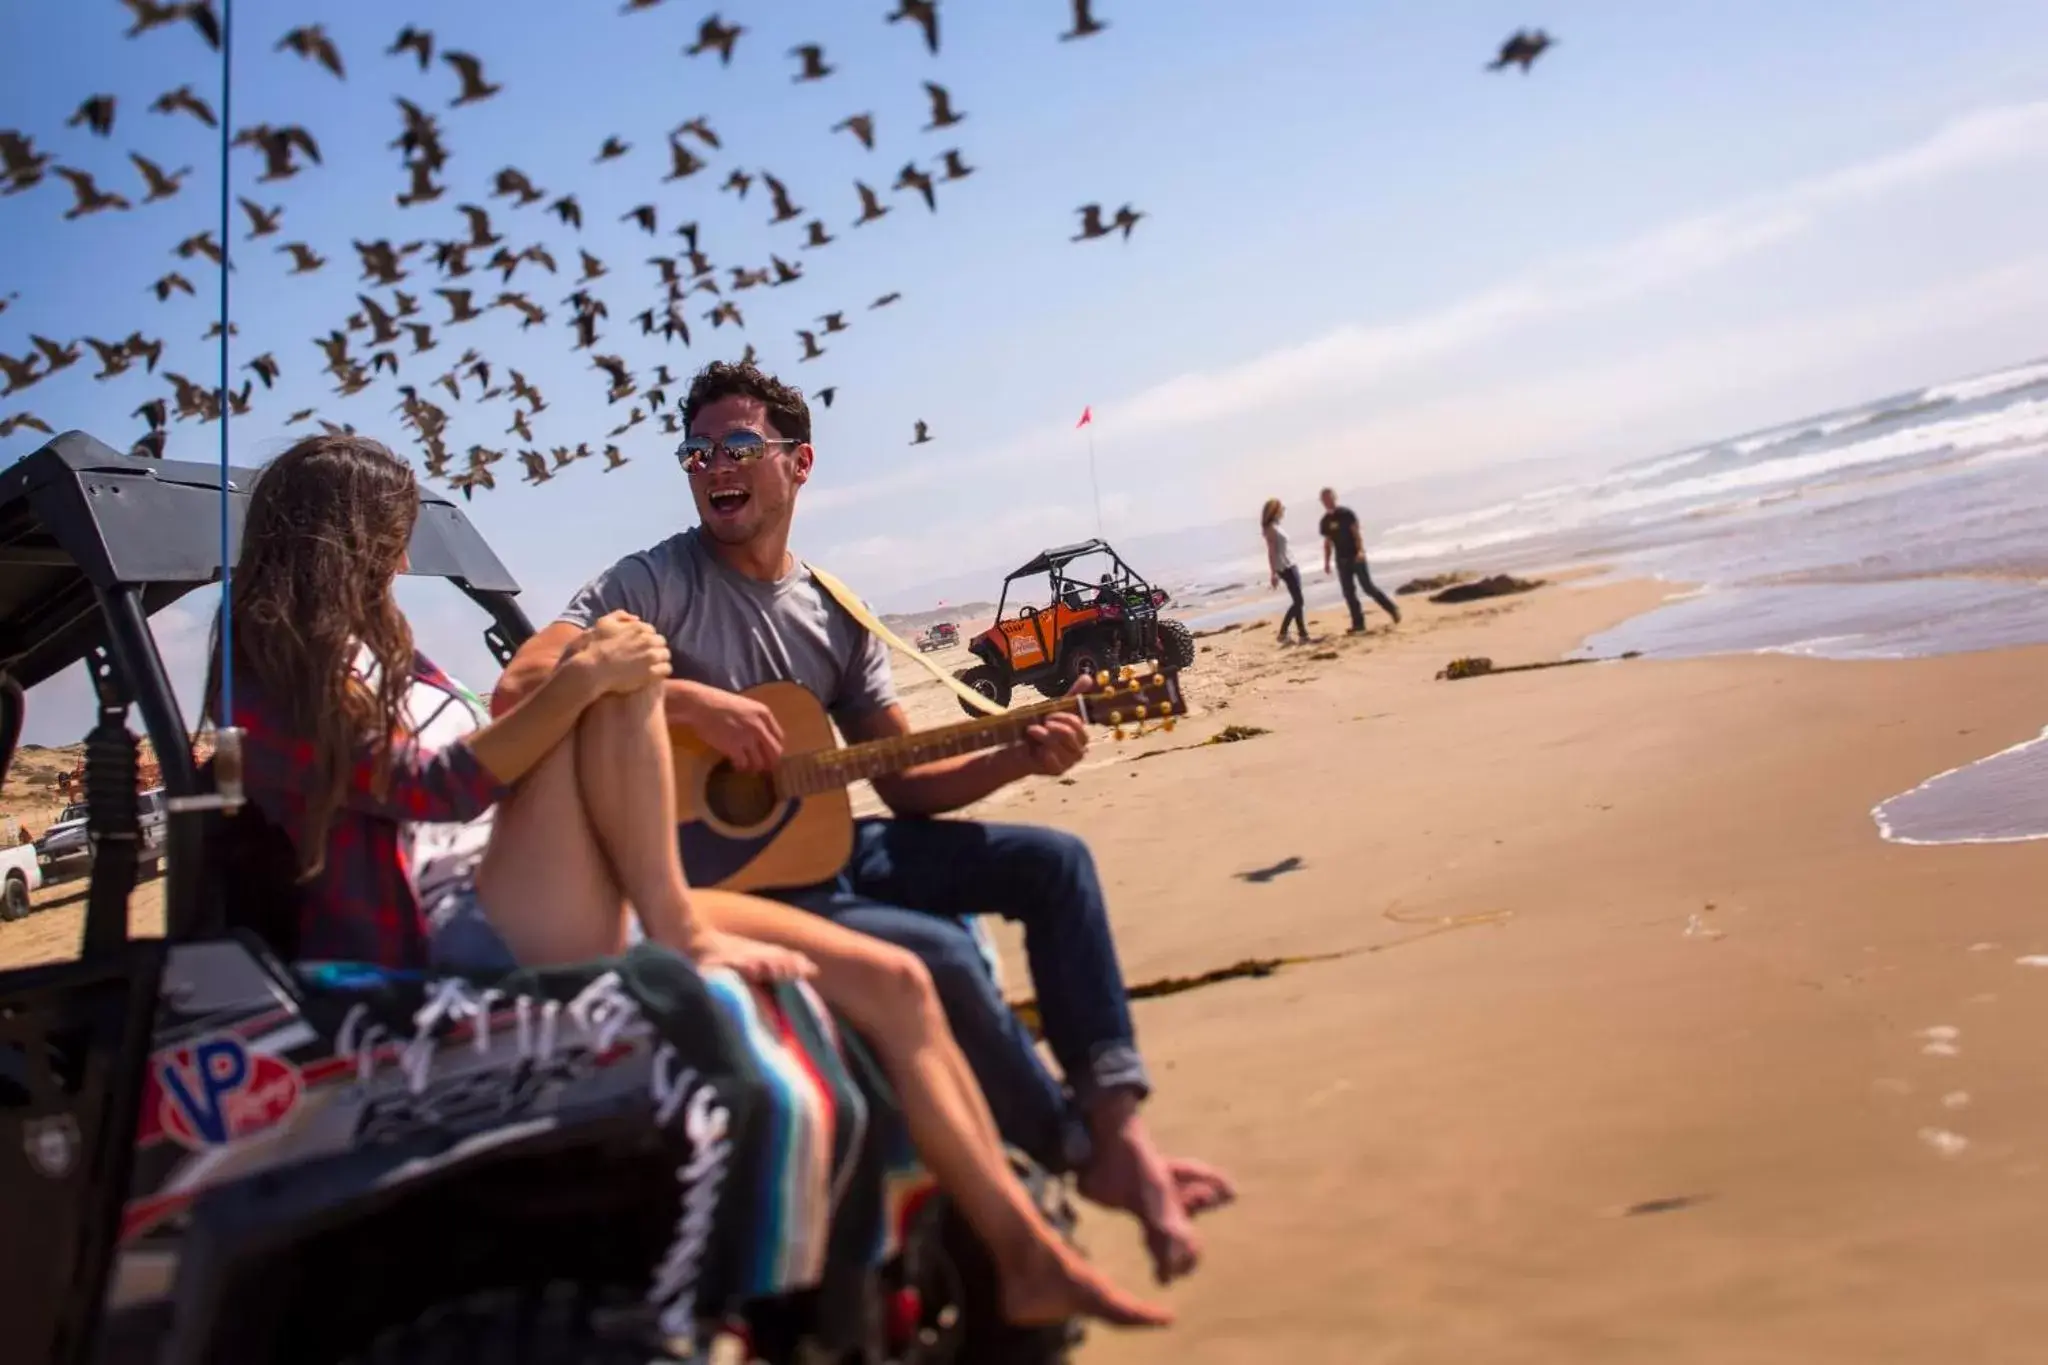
x=908 y=883
x=460 y=936
x=1352 y=577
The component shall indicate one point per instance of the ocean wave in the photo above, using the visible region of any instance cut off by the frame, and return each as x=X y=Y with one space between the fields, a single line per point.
x=1986 y=431
x=1988 y=385
x=1990 y=800
x=2011 y=432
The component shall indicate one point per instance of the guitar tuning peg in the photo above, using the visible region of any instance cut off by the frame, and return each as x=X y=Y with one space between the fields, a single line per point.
x=1129 y=673
x=1102 y=679
x=1167 y=725
x=1117 y=733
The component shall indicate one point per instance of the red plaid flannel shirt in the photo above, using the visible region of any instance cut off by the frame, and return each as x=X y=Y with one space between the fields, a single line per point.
x=362 y=906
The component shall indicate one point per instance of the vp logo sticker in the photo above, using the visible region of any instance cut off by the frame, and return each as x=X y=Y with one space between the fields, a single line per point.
x=217 y=1091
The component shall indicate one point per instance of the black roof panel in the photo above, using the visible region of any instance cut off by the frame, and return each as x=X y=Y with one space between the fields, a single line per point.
x=1048 y=560
x=77 y=516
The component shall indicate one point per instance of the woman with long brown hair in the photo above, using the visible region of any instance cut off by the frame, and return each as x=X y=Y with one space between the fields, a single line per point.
x=581 y=768
x=1281 y=561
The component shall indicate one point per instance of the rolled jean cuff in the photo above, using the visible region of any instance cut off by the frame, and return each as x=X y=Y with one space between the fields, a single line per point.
x=1112 y=1066
x=1077 y=1145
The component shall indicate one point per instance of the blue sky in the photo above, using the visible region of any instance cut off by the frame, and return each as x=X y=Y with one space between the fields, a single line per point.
x=1364 y=259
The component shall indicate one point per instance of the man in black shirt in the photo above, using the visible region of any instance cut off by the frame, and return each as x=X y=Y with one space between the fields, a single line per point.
x=1341 y=539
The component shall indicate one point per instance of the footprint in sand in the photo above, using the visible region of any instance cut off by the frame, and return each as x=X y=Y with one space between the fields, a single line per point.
x=1941 y=1040
x=1943 y=1141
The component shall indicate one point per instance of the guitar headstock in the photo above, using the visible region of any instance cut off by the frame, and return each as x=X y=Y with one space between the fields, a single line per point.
x=1131 y=698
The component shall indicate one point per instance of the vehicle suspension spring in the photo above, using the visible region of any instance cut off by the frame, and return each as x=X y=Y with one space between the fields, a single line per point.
x=113 y=806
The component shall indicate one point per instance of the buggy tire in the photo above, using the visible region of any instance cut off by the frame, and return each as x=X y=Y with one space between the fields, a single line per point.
x=1086 y=658
x=961 y=1278
x=993 y=683
x=560 y=1324
x=14 y=901
x=1176 y=646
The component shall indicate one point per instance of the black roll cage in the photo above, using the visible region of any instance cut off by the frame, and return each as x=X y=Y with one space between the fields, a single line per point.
x=92 y=544
x=1053 y=564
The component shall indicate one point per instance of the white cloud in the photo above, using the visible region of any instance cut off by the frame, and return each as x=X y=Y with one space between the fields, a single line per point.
x=1678 y=251
x=1647 y=399
x=1359 y=354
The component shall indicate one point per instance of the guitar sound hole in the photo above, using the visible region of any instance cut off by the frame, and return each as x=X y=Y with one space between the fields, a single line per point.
x=739 y=799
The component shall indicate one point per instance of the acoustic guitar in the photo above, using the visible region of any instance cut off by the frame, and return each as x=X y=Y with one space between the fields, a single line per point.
x=793 y=825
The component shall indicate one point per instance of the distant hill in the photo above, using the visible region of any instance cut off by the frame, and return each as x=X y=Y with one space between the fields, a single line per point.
x=963 y=614
x=31 y=796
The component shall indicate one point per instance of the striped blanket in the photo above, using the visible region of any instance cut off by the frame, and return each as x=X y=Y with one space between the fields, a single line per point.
x=792 y=1168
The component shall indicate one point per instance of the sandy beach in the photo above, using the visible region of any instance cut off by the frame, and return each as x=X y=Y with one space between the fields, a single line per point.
x=1710 y=994
x=1639 y=1044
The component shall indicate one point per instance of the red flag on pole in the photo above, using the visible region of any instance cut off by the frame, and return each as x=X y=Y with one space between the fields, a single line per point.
x=1087 y=416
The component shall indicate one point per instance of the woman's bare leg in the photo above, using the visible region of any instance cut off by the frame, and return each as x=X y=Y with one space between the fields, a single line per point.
x=588 y=831
x=888 y=996
x=545 y=881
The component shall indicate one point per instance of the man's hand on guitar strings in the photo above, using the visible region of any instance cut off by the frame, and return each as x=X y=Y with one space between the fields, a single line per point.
x=741 y=728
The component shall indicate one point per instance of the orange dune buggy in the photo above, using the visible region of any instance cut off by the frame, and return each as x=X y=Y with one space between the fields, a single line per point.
x=1089 y=623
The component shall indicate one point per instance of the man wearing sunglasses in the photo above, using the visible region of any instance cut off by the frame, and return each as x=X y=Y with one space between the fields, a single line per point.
x=739 y=609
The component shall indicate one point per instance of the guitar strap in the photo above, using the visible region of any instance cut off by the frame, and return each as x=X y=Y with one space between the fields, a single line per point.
x=855 y=608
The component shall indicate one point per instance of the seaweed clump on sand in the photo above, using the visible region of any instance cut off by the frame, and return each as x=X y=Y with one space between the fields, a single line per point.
x=1431 y=583
x=1479 y=666
x=1497 y=585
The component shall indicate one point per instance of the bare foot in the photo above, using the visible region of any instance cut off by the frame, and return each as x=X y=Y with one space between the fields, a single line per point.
x=1128 y=1173
x=1056 y=1284
x=1201 y=1187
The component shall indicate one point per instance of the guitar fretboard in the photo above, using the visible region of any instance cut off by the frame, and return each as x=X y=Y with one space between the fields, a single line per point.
x=809 y=774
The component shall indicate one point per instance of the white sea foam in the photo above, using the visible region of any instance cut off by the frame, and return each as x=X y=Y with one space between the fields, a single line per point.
x=1985 y=385
x=1889 y=820
x=2007 y=432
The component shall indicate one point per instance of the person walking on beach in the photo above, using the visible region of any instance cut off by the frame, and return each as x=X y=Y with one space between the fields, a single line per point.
x=1281 y=560
x=1341 y=539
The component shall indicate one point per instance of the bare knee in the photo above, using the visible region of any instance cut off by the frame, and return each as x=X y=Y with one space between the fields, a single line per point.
x=903 y=979
x=895 y=989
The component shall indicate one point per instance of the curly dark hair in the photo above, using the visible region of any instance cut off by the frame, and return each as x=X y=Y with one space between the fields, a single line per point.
x=723 y=379
x=328 y=524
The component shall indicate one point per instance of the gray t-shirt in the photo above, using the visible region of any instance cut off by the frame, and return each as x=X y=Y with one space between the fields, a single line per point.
x=730 y=631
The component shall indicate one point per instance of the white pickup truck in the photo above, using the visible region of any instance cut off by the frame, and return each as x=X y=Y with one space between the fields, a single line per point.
x=62 y=852
x=21 y=872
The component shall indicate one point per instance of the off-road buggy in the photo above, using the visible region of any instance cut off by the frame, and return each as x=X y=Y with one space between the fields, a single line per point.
x=213 y=1154
x=943 y=635
x=1101 y=616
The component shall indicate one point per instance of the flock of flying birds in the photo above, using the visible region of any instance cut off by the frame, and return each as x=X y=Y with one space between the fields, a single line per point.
x=390 y=331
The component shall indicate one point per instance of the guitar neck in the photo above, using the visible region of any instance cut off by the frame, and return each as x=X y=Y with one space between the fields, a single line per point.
x=809 y=774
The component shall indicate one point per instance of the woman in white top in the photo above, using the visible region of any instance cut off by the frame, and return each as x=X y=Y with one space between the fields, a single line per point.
x=1282 y=562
